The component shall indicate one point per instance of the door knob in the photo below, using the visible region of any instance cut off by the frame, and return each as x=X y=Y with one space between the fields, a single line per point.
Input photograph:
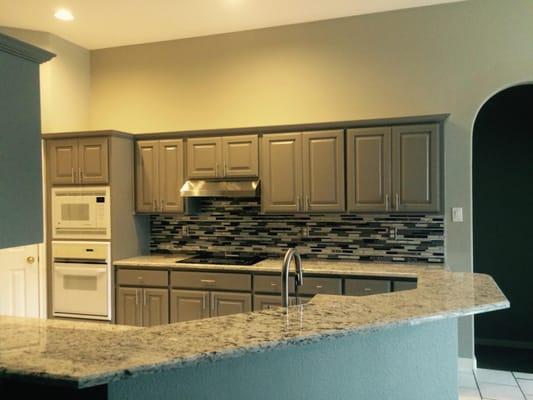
x=30 y=259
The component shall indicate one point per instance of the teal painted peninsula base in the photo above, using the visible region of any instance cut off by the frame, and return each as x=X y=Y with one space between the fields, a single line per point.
x=397 y=363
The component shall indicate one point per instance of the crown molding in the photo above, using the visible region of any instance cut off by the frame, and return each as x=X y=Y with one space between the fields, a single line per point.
x=24 y=50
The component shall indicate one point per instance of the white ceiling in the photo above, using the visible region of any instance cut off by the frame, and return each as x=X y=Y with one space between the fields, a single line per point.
x=110 y=23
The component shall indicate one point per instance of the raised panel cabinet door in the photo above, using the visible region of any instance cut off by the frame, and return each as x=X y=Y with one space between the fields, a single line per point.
x=155 y=307
x=93 y=160
x=226 y=303
x=129 y=307
x=266 y=302
x=187 y=305
x=323 y=171
x=281 y=172
x=147 y=176
x=416 y=168
x=204 y=158
x=369 y=169
x=171 y=175
x=241 y=157
x=63 y=161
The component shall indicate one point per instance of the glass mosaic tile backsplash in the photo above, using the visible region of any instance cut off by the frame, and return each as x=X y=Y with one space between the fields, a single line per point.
x=238 y=226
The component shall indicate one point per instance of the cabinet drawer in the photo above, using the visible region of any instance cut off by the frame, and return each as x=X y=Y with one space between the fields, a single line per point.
x=210 y=280
x=321 y=285
x=142 y=277
x=403 y=285
x=364 y=287
x=271 y=283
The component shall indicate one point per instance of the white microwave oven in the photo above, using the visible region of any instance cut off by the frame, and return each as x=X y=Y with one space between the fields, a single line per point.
x=81 y=212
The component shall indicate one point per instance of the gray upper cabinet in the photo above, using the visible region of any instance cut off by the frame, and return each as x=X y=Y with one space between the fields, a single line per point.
x=93 y=160
x=281 y=172
x=83 y=161
x=240 y=155
x=171 y=175
x=416 y=168
x=222 y=157
x=204 y=158
x=147 y=175
x=323 y=171
x=63 y=161
x=159 y=176
x=369 y=169
x=303 y=172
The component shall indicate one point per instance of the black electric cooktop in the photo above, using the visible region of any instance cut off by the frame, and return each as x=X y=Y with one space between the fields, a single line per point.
x=223 y=259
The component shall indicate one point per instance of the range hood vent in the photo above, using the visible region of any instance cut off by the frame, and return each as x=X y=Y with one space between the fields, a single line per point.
x=240 y=188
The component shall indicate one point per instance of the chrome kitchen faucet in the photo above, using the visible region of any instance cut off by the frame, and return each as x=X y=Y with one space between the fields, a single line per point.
x=291 y=254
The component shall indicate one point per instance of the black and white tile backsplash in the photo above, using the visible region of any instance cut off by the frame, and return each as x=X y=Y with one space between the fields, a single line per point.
x=237 y=225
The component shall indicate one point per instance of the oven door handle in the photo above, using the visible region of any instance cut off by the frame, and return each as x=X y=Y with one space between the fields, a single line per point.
x=80 y=271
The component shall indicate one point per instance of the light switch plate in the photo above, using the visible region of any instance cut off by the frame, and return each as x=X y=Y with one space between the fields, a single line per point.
x=457 y=214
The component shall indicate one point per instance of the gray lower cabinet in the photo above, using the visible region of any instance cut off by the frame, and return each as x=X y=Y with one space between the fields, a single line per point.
x=268 y=301
x=142 y=306
x=187 y=305
x=129 y=309
x=398 y=286
x=365 y=287
x=226 y=303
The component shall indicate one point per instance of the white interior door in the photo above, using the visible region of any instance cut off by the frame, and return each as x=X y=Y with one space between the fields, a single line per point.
x=19 y=281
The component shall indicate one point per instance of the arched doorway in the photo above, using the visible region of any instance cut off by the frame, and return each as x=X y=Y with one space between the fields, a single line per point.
x=502 y=172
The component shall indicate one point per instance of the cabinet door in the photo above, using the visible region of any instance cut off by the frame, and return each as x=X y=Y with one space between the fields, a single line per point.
x=155 y=307
x=369 y=169
x=323 y=171
x=129 y=308
x=226 y=303
x=204 y=158
x=281 y=172
x=266 y=302
x=93 y=160
x=240 y=154
x=187 y=305
x=415 y=162
x=147 y=175
x=171 y=175
x=63 y=161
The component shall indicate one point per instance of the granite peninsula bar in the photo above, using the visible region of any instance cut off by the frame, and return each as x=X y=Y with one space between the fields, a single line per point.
x=400 y=345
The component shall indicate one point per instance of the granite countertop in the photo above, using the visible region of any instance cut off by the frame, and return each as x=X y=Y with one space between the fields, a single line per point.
x=273 y=265
x=89 y=354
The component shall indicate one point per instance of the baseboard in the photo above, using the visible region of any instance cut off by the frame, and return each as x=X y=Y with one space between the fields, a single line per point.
x=467 y=364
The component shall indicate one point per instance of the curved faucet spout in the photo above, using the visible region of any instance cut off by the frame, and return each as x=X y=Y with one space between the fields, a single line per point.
x=291 y=254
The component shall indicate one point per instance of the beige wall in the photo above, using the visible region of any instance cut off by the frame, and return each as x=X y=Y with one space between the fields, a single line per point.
x=440 y=59
x=65 y=81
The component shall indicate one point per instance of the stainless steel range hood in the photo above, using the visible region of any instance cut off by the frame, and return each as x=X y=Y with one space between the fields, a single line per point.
x=240 y=188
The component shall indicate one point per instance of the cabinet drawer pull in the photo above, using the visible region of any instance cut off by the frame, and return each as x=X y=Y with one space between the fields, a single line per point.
x=208 y=281
x=319 y=286
x=140 y=278
x=273 y=284
x=367 y=289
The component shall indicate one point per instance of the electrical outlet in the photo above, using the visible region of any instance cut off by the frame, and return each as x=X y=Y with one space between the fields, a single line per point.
x=457 y=214
x=305 y=231
x=185 y=230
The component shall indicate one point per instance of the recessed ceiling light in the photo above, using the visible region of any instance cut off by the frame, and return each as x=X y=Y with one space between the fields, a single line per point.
x=64 y=15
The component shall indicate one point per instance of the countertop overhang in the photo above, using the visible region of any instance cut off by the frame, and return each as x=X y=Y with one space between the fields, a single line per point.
x=89 y=354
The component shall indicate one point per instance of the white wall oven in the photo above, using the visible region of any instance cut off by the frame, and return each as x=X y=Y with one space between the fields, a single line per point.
x=82 y=280
x=81 y=212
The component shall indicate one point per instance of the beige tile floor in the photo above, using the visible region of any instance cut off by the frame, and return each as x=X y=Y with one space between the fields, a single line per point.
x=488 y=384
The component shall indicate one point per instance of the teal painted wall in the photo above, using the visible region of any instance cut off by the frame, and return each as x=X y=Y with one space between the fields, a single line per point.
x=404 y=363
x=21 y=219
